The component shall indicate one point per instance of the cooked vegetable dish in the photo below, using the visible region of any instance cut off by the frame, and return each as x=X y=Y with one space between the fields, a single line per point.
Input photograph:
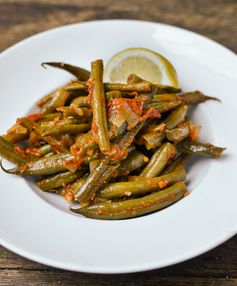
x=118 y=150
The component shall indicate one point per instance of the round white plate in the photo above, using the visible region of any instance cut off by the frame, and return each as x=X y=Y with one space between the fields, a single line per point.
x=40 y=227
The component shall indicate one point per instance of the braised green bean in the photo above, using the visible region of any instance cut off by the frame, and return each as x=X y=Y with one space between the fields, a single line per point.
x=59 y=99
x=206 y=149
x=99 y=121
x=153 y=138
x=16 y=133
x=44 y=166
x=84 y=142
x=176 y=117
x=193 y=97
x=67 y=128
x=50 y=117
x=10 y=153
x=158 y=161
x=91 y=185
x=134 y=161
x=57 y=145
x=45 y=149
x=140 y=87
x=136 y=207
x=78 y=72
x=178 y=134
x=164 y=106
x=179 y=163
x=76 y=85
x=167 y=89
x=58 y=180
x=141 y=186
x=80 y=101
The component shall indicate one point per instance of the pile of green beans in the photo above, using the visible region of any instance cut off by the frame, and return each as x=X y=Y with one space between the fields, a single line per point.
x=118 y=150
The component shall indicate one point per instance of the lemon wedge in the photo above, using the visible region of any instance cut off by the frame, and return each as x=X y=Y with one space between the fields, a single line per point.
x=145 y=63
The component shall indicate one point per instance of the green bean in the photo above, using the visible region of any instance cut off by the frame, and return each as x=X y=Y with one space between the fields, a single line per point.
x=179 y=163
x=84 y=142
x=93 y=164
x=99 y=121
x=164 y=97
x=67 y=128
x=153 y=139
x=158 y=161
x=50 y=124
x=178 y=134
x=58 y=100
x=193 y=97
x=16 y=133
x=91 y=185
x=82 y=114
x=39 y=152
x=134 y=161
x=16 y=137
x=206 y=149
x=141 y=186
x=167 y=89
x=119 y=150
x=72 y=111
x=58 y=180
x=136 y=207
x=31 y=125
x=9 y=152
x=76 y=113
x=74 y=187
x=69 y=190
x=79 y=73
x=80 y=101
x=44 y=99
x=140 y=87
x=50 y=117
x=76 y=85
x=164 y=106
x=128 y=137
x=49 y=154
x=59 y=144
x=113 y=94
x=176 y=117
x=133 y=78
x=44 y=166
x=34 y=139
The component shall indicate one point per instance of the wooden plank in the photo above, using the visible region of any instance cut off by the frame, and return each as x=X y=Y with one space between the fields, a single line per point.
x=38 y=278
x=213 y=18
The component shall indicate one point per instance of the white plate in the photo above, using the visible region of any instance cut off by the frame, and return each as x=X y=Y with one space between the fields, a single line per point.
x=40 y=227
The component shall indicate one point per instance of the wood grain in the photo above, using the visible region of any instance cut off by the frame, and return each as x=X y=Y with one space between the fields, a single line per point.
x=216 y=19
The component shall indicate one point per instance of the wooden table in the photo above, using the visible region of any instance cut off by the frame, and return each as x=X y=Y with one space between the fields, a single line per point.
x=216 y=19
